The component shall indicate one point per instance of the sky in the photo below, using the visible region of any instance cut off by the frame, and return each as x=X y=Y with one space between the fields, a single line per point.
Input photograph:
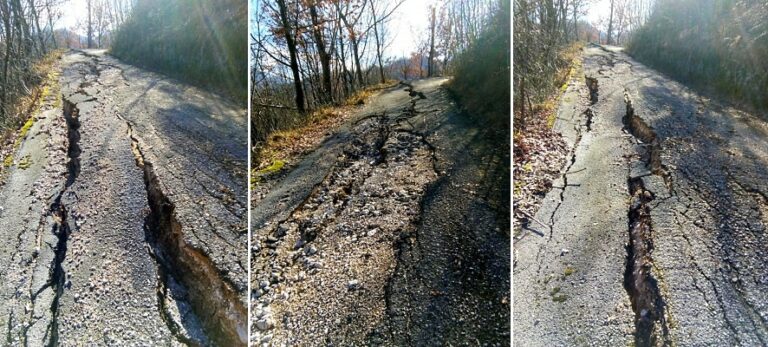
x=71 y=12
x=408 y=22
x=598 y=9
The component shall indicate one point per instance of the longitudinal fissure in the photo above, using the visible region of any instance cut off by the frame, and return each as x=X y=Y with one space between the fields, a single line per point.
x=62 y=225
x=213 y=300
x=648 y=304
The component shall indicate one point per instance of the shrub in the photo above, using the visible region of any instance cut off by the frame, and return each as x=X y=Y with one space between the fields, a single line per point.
x=203 y=42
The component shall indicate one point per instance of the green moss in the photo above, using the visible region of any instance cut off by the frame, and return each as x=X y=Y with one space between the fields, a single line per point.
x=569 y=271
x=276 y=166
x=8 y=162
x=256 y=175
x=23 y=132
x=560 y=298
x=551 y=119
x=25 y=162
x=554 y=291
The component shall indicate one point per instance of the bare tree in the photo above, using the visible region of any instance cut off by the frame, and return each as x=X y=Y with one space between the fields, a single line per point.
x=290 y=41
x=431 y=59
x=610 y=23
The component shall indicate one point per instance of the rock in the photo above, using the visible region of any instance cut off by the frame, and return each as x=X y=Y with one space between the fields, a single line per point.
x=353 y=285
x=282 y=229
x=264 y=324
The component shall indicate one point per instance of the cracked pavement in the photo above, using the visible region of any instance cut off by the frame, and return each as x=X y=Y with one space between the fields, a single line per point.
x=657 y=236
x=360 y=256
x=131 y=218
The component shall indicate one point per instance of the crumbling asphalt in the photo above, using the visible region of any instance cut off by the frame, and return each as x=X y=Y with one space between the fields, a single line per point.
x=656 y=235
x=135 y=227
x=396 y=241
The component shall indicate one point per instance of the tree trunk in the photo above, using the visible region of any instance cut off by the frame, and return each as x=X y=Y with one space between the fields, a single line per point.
x=343 y=60
x=8 y=44
x=40 y=36
x=355 y=46
x=378 y=44
x=610 y=24
x=325 y=60
x=289 y=39
x=430 y=62
x=90 y=26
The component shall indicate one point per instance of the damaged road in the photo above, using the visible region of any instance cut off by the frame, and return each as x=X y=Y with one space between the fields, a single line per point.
x=657 y=234
x=396 y=241
x=129 y=214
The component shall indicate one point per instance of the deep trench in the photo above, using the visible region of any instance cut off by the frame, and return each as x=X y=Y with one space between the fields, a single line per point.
x=212 y=299
x=61 y=226
x=651 y=328
x=645 y=134
x=593 y=89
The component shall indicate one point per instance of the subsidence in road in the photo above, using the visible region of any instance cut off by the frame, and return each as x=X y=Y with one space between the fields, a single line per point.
x=656 y=230
x=129 y=214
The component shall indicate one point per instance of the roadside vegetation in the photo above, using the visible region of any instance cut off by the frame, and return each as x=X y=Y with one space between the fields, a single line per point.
x=283 y=146
x=547 y=56
x=310 y=58
x=198 y=41
x=28 y=55
x=716 y=45
x=481 y=73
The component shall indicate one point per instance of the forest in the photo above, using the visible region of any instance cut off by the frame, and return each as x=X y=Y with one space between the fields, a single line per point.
x=23 y=42
x=307 y=55
x=716 y=45
x=199 y=41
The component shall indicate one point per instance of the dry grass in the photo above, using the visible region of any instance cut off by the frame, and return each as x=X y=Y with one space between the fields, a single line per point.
x=540 y=151
x=283 y=147
x=27 y=107
x=571 y=56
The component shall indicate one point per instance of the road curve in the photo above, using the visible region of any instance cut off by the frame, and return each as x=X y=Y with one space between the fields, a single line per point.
x=390 y=236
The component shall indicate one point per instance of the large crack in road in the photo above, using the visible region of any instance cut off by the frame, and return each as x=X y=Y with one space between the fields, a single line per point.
x=134 y=212
x=663 y=242
x=360 y=259
x=651 y=327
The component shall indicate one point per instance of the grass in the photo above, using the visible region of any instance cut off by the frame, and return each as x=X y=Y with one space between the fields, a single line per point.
x=359 y=97
x=283 y=146
x=27 y=107
x=569 y=271
x=563 y=77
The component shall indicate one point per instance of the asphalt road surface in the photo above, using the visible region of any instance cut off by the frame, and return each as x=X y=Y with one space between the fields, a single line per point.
x=387 y=234
x=655 y=234
x=124 y=214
